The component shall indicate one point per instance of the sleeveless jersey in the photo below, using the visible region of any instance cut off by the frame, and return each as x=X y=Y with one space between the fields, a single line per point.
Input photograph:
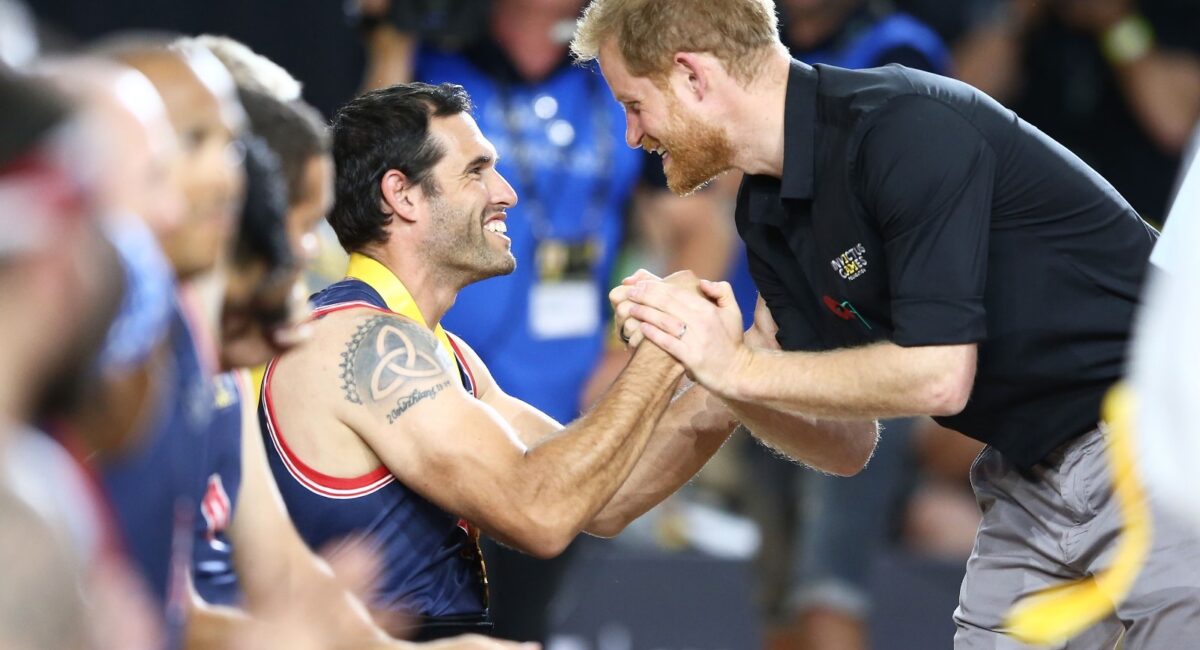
x=212 y=554
x=432 y=568
x=153 y=489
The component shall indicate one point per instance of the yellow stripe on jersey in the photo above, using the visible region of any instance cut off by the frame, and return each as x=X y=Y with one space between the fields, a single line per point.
x=1060 y=613
x=395 y=294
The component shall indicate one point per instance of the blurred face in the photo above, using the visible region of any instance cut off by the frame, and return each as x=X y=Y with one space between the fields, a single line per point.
x=139 y=177
x=60 y=285
x=88 y=297
x=656 y=119
x=306 y=214
x=207 y=120
x=466 y=218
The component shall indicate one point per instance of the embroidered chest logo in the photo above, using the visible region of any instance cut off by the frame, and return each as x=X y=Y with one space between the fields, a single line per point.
x=215 y=507
x=852 y=263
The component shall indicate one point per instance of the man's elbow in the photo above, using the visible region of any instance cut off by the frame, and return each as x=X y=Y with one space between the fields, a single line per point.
x=539 y=536
x=948 y=392
x=548 y=543
x=948 y=396
x=606 y=526
x=855 y=459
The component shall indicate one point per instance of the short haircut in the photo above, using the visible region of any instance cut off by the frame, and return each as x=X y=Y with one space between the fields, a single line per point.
x=648 y=33
x=251 y=69
x=378 y=131
x=295 y=131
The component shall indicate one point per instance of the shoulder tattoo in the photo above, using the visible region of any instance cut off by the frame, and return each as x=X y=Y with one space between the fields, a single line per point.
x=383 y=356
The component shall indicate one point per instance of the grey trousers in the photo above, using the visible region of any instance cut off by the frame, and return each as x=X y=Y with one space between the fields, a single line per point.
x=1057 y=525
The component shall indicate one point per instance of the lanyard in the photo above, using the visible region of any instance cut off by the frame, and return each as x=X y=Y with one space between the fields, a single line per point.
x=536 y=206
x=394 y=293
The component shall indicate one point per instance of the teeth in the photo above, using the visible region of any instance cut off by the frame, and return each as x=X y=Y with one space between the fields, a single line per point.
x=496 y=226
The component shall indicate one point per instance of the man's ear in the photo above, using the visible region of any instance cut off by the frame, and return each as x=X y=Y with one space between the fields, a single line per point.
x=396 y=195
x=694 y=72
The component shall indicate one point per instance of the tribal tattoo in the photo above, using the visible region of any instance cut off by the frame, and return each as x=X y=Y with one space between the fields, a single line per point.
x=383 y=355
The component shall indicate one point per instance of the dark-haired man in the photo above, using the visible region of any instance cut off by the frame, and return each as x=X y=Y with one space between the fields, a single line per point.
x=386 y=425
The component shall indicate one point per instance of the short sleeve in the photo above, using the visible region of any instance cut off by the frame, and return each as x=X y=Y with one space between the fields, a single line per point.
x=927 y=176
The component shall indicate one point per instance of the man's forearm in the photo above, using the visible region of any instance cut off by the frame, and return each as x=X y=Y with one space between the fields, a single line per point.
x=691 y=430
x=836 y=446
x=574 y=473
x=881 y=380
x=1163 y=89
x=391 y=57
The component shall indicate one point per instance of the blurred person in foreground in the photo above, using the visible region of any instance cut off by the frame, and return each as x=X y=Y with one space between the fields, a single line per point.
x=906 y=233
x=1159 y=406
x=387 y=425
x=59 y=280
x=151 y=475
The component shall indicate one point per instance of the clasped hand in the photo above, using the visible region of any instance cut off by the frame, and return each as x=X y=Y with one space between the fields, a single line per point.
x=696 y=321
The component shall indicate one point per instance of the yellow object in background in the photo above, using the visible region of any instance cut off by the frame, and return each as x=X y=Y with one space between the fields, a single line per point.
x=1060 y=613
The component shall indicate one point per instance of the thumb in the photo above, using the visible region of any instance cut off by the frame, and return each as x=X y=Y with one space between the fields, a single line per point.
x=638 y=276
x=720 y=293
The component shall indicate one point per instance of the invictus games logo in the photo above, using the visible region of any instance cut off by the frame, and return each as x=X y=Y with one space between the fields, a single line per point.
x=852 y=263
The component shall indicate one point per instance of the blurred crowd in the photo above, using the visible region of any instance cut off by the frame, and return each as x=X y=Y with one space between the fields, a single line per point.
x=161 y=224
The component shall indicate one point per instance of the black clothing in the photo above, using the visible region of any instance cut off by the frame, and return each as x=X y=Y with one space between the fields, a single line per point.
x=915 y=209
x=1072 y=93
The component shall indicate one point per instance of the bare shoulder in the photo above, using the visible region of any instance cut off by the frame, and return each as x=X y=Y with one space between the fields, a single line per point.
x=485 y=384
x=383 y=356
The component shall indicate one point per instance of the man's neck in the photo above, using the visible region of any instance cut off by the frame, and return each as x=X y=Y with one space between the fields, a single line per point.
x=432 y=290
x=527 y=38
x=757 y=120
x=203 y=297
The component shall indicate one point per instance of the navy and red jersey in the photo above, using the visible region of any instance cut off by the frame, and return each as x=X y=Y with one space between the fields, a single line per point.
x=432 y=569
x=212 y=553
x=153 y=489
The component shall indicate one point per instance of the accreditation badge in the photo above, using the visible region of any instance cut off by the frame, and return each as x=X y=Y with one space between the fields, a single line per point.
x=565 y=301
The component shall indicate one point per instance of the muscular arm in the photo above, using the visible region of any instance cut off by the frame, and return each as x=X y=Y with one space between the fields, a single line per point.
x=689 y=434
x=459 y=452
x=692 y=429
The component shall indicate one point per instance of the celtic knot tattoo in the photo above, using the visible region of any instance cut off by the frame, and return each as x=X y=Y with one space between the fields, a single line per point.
x=399 y=361
x=385 y=354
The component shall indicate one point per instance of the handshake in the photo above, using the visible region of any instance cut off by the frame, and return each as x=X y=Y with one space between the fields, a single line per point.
x=698 y=322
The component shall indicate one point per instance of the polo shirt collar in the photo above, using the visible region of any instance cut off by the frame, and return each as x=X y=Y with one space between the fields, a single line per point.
x=799 y=133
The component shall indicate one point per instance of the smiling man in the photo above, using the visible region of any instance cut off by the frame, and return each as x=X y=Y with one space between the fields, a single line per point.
x=924 y=251
x=387 y=426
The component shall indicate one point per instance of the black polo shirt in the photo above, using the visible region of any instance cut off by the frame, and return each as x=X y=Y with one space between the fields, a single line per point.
x=915 y=209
